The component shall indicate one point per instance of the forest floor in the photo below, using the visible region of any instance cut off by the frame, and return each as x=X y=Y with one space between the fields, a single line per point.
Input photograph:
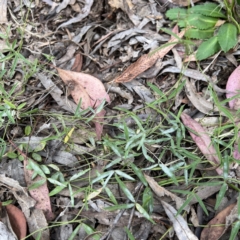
x=119 y=120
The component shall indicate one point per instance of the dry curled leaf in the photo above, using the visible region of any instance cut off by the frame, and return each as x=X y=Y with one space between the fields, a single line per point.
x=202 y=139
x=89 y=90
x=146 y=61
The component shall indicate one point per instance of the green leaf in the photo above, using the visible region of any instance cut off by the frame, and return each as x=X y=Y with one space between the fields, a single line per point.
x=227 y=36
x=199 y=34
x=144 y=213
x=208 y=48
x=12 y=155
x=176 y=13
x=148 y=200
x=36 y=168
x=37 y=157
x=79 y=174
x=169 y=173
x=11 y=105
x=121 y=206
x=37 y=184
x=221 y=194
x=122 y=174
x=21 y=106
x=75 y=232
x=209 y=9
x=198 y=21
x=56 y=190
x=54 y=181
x=111 y=195
x=7 y=202
x=124 y=189
x=90 y=231
x=40 y=146
x=235 y=230
x=45 y=169
x=28 y=130
x=130 y=235
x=139 y=173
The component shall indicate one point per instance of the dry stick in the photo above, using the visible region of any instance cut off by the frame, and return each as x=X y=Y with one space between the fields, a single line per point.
x=108 y=233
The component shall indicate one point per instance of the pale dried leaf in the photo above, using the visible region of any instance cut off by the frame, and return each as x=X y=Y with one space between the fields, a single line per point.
x=5 y=233
x=146 y=61
x=11 y=183
x=3 y=11
x=56 y=93
x=25 y=202
x=80 y=16
x=204 y=192
x=179 y=224
x=62 y=5
x=37 y=222
x=199 y=102
x=202 y=140
x=160 y=192
x=215 y=228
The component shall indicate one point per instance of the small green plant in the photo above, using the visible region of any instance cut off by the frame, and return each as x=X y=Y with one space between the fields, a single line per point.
x=209 y=23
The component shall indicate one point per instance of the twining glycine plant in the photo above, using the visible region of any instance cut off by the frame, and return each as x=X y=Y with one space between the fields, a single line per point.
x=209 y=23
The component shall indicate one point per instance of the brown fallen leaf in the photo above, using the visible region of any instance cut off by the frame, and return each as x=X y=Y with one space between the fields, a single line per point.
x=202 y=140
x=89 y=90
x=17 y=220
x=146 y=61
x=215 y=232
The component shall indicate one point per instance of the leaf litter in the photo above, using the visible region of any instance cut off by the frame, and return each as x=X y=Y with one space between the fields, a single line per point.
x=113 y=66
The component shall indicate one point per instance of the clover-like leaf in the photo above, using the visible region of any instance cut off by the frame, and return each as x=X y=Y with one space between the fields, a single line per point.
x=208 y=9
x=199 y=34
x=227 y=36
x=208 y=48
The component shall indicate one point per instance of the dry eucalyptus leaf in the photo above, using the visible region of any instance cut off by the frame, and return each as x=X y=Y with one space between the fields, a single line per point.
x=202 y=139
x=147 y=60
x=89 y=90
